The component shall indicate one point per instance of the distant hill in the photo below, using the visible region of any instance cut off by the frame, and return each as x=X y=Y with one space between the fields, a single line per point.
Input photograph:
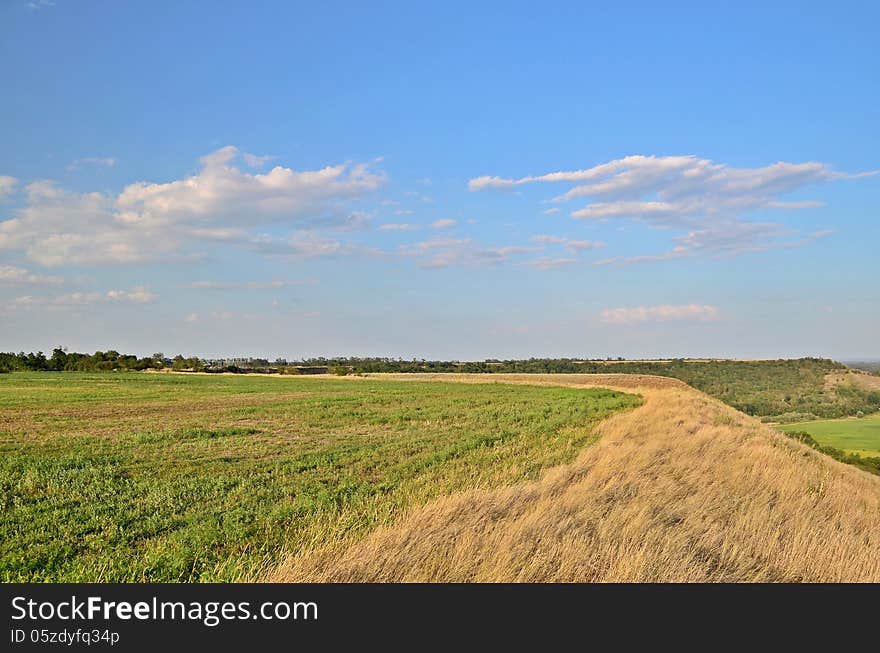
x=872 y=366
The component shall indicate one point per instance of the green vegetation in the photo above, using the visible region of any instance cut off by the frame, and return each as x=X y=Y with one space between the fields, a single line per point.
x=786 y=390
x=126 y=476
x=61 y=361
x=852 y=435
x=869 y=463
x=779 y=390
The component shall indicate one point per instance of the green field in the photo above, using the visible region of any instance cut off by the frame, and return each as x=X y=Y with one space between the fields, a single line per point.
x=127 y=476
x=853 y=435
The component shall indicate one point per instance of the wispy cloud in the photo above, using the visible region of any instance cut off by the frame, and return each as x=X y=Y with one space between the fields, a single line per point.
x=137 y=295
x=574 y=248
x=678 y=178
x=570 y=244
x=444 y=224
x=706 y=200
x=662 y=313
x=449 y=252
x=255 y=161
x=243 y=285
x=11 y=275
x=7 y=185
x=303 y=245
x=397 y=226
x=552 y=263
x=102 y=162
x=726 y=240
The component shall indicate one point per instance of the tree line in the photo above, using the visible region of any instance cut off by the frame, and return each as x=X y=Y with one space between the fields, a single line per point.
x=63 y=361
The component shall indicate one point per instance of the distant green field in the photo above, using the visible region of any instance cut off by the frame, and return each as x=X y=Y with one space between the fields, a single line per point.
x=853 y=435
x=128 y=476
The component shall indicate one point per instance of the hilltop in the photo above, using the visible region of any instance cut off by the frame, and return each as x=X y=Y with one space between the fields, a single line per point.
x=682 y=488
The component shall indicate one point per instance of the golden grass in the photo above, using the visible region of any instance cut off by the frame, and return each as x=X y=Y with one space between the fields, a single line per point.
x=683 y=488
x=858 y=378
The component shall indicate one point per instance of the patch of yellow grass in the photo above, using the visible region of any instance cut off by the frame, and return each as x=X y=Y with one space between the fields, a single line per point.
x=858 y=378
x=683 y=488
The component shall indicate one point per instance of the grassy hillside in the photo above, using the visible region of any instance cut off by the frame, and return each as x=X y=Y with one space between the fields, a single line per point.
x=683 y=488
x=783 y=390
x=131 y=476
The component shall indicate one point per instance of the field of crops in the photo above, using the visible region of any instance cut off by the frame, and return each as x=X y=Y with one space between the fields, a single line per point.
x=126 y=476
x=853 y=435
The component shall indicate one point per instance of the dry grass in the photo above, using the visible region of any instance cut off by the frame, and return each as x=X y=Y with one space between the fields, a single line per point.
x=857 y=378
x=683 y=488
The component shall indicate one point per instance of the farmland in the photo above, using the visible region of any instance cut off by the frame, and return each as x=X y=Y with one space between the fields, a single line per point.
x=783 y=390
x=852 y=435
x=137 y=476
x=126 y=476
x=683 y=488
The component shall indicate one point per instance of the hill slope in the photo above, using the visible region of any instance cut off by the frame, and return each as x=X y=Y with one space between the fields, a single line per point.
x=683 y=488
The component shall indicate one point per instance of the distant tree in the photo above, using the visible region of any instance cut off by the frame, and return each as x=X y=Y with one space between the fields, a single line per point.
x=58 y=361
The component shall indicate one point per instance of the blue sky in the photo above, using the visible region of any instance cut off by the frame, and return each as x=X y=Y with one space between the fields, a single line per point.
x=505 y=180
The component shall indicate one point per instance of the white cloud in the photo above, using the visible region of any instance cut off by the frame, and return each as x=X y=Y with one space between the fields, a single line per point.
x=305 y=245
x=424 y=198
x=242 y=285
x=7 y=185
x=223 y=194
x=58 y=227
x=551 y=263
x=570 y=244
x=133 y=296
x=355 y=221
x=449 y=252
x=551 y=211
x=658 y=211
x=444 y=224
x=11 y=275
x=154 y=220
x=255 y=161
x=677 y=188
x=137 y=295
x=104 y=162
x=404 y=212
x=191 y=318
x=397 y=226
x=725 y=240
x=704 y=199
x=662 y=313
